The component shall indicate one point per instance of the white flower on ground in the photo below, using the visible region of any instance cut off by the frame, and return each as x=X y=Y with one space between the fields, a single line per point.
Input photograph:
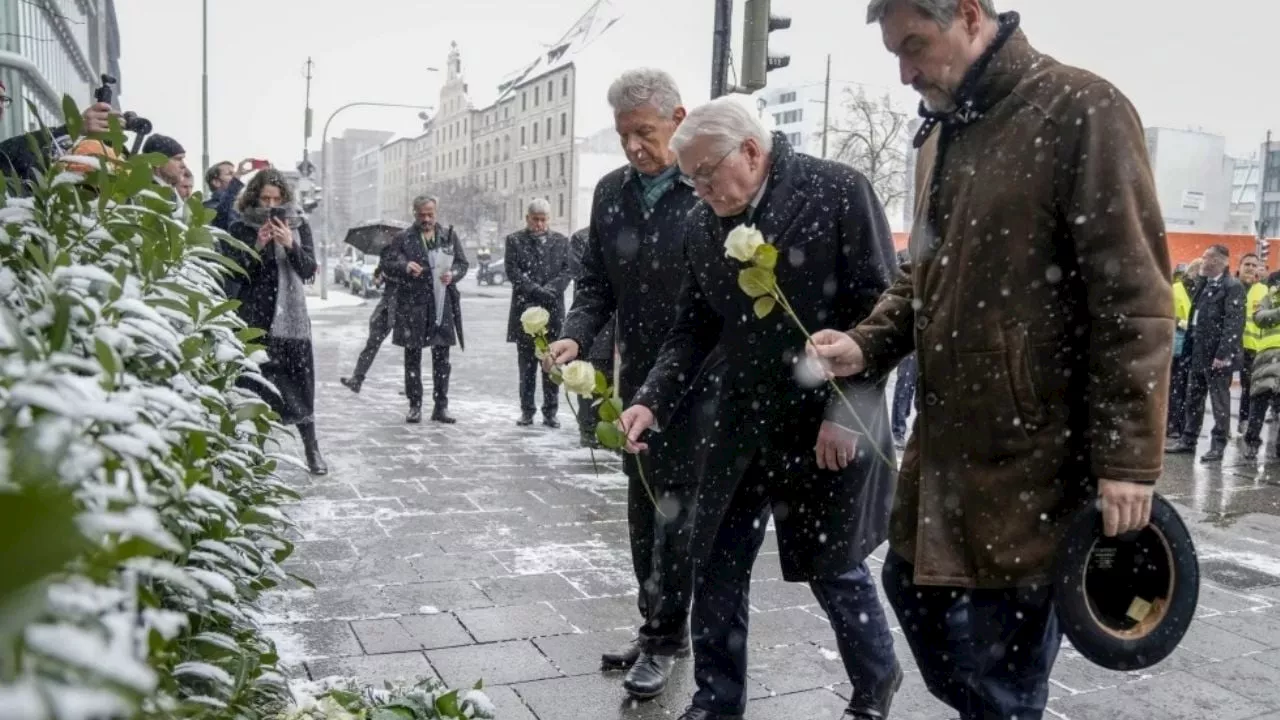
x=535 y=320
x=580 y=378
x=742 y=243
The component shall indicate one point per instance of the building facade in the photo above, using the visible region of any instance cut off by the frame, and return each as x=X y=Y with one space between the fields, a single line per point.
x=340 y=180
x=54 y=48
x=366 y=187
x=393 y=184
x=1193 y=177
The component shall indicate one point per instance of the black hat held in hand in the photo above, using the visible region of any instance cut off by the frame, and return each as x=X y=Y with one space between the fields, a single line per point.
x=1126 y=602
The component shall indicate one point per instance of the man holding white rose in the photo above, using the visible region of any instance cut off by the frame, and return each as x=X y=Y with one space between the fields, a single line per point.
x=632 y=267
x=537 y=262
x=780 y=442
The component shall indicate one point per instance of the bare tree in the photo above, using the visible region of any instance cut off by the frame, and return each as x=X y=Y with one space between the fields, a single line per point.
x=467 y=206
x=871 y=137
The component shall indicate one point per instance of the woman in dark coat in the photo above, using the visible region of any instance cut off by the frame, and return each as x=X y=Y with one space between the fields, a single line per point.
x=272 y=298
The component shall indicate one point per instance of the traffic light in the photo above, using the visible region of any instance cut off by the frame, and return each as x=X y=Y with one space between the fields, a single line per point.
x=756 y=59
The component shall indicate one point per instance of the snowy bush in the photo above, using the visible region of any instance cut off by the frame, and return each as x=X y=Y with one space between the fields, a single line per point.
x=139 y=507
x=426 y=700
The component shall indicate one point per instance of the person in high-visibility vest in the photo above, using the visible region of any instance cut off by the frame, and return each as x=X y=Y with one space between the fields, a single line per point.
x=1184 y=279
x=1266 y=367
x=1251 y=274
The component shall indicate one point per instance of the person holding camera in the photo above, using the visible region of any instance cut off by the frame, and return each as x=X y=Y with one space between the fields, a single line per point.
x=16 y=156
x=272 y=298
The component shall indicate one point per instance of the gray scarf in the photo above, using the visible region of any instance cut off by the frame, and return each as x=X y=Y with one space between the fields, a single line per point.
x=291 y=320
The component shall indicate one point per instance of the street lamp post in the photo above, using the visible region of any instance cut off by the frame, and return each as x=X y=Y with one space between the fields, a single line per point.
x=328 y=191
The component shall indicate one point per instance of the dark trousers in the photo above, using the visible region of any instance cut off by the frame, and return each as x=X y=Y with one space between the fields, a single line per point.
x=529 y=371
x=1216 y=384
x=1246 y=382
x=379 y=329
x=986 y=653
x=720 y=609
x=1258 y=408
x=904 y=394
x=660 y=556
x=440 y=369
x=1178 y=395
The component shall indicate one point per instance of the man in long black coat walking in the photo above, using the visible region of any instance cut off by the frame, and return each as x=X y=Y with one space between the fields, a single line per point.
x=427 y=261
x=782 y=441
x=632 y=268
x=537 y=262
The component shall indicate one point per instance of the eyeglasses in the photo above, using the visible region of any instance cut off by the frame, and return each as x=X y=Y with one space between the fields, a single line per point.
x=5 y=101
x=703 y=177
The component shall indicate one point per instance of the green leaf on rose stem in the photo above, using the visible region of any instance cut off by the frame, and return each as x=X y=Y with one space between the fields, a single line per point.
x=602 y=384
x=611 y=410
x=764 y=305
x=766 y=257
x=610 y=435
x=756 y=281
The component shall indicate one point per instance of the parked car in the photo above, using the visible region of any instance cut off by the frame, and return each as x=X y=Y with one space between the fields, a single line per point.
x=492 y=274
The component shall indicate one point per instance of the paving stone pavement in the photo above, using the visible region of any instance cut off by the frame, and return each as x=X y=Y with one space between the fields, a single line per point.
x=489 y=552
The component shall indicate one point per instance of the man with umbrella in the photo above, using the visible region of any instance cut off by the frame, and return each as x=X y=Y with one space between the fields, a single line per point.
x=373 y=239
x=426 y=262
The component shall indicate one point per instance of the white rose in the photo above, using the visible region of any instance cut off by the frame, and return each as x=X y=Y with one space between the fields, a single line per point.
x=579 y=378
x=742 y=243
x=535 y=320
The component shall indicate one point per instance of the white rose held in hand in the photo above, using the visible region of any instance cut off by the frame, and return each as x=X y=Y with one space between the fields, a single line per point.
x=579 y=378
x=742 y=243
x=535 y=320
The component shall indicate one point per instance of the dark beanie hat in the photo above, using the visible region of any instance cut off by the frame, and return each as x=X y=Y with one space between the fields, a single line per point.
x=164 y=145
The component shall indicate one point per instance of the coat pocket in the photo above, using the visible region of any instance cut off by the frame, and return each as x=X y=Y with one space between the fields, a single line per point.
x=1023 y=384
x=989 y=421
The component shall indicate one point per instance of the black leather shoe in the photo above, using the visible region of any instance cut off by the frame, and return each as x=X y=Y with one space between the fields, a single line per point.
x=622 y=658
x=414 y=416
x=442 y=416
x=353 y=384
x=1214 y=455
x=551 y=423
x=525 y=421
x=881 y=710
x=648 y=677
x=1250 y=452
x=694 y=713
x=1179 y=447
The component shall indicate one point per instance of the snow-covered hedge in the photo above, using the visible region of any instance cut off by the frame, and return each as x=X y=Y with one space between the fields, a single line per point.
x=428 y=699
x=139 y=508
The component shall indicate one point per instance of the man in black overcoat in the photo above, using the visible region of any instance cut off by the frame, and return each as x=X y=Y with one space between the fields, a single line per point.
x=537 y=263
x=783 y=441
x=632 y=269
x=599 y=352
x=424 y=264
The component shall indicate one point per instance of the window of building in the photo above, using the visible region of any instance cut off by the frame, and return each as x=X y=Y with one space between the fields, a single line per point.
x=546 y=167
x=548 y=128
x=561 y=213
x=794 y=139
x=506 y=112
x=537 y=93
x=524 y=101
x=520 y=178
x=564 y=124
x=564 y=86
x=535 y=133
x=786 y=97
x=561 y=164
x=506 y=148
x=464 y=156
x=551 y=86
x=504 y=178
x=533 y=170
x=523 y=138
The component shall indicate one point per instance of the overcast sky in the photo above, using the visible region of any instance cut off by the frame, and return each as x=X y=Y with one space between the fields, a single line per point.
x=1183 y=65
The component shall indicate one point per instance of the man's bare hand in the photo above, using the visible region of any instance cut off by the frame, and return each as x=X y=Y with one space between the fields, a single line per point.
x=560 y=352
x=413 y=268
x=96 y=118
x=635 y=421
x=446 y=278
x=835 y=447
x=1125 y=506
x=838 y=352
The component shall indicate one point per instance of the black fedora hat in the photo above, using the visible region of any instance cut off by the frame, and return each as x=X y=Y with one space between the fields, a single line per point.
x=1126 y=602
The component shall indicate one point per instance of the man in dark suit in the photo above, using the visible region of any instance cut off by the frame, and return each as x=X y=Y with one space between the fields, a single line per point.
x=426 y=262
x=537 y=262
x=631 y=274
x=1213 y=343
x=782 y=442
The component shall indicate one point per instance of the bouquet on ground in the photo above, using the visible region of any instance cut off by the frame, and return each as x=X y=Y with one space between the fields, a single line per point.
x=582 y=379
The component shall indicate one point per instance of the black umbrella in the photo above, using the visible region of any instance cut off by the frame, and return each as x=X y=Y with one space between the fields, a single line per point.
x=372 y=238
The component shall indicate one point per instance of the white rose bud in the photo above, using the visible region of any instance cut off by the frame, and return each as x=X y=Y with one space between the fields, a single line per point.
x=579 y=378
x=742 y=243
x=535 y=320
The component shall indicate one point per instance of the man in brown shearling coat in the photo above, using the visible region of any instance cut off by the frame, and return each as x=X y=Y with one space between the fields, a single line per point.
x=1039 y=305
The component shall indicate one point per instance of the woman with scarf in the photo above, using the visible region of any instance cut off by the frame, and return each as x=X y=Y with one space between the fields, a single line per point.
x=272 y=298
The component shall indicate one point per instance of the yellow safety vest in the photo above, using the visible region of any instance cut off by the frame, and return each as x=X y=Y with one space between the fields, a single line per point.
x=1253 y=335
x=1268 y=338
x=1181 y=304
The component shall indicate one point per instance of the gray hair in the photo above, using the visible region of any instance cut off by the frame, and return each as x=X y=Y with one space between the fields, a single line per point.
x=424 y=200
x=726 y=119
x=644 y=86
x=943 y=12
x=539 y=206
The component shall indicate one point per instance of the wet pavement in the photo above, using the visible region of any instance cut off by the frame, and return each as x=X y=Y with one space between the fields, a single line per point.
x=484 y=551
